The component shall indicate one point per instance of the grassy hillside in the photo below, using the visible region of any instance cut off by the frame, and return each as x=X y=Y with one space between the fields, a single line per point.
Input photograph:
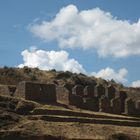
x=27 y=120
x=12 y=76
x=15 y=75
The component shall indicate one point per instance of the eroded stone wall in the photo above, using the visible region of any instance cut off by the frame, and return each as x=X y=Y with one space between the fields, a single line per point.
x=37 y=92
x=7 y=90
x=104 y=99
x=96 y=98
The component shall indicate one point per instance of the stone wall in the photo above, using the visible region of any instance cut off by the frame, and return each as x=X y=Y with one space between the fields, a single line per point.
x=103 y=99
x=89 y=91
x=37 y=92
x=116 y=105
x=7 y=90
x=104 y=105
x=91 y=103
x=62 y=95
x=111 y=92
x=123 y=96
x=96 y=98
x=100 y=90
x=20 y=91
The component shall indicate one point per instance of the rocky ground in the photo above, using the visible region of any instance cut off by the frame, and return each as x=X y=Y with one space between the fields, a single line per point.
x=26 y=120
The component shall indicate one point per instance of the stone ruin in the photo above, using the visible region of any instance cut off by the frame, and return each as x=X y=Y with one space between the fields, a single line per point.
x=100 y=90
x=104 y=99
x=96 y=98
x=123 y=96
x=111 y=91
x=63 y=94
x=89 y=91
x=116 y=105
x=104 y=104
x=36 y=92
x=8 y=90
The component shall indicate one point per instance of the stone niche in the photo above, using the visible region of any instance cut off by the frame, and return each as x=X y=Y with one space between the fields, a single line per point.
x=111 y=91
x=130 y=107
x=123 y=96
x=89 y=91
x=104 y=105
x=116 y=105
x=100 y=90
x=63 y=95
x=138 y=108
x=78 y=90
x=36 y=92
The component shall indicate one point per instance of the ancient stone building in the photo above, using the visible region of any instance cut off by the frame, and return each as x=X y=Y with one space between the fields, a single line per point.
x=91 y=97
x=37 y=92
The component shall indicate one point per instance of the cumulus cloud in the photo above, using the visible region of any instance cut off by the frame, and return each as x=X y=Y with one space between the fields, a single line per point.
x=91 y=29
x=59 y=60
x=136 y=83
x=109 y=73
x=47 y=60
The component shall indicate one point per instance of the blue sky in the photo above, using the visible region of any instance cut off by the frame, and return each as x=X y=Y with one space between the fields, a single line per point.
x=19 y=33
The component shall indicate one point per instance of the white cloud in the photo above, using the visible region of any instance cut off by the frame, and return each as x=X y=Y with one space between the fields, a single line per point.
x=136 y=83
x=59 y=60
x=91 y=29
x=47 y=60
x=109 y=73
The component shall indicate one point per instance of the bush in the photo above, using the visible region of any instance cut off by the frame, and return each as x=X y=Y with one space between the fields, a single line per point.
x=64 y=75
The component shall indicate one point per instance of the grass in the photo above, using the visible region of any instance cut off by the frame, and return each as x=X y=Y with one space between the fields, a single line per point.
x=71 y=127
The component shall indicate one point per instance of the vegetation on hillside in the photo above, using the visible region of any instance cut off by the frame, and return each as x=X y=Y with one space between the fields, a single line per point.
x=12 y=76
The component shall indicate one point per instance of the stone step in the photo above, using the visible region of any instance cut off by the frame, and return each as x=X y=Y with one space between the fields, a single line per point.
x=57 y=118
x=80 y=114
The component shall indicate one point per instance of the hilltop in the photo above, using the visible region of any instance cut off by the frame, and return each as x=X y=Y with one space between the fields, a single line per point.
x=12 y=76
x=30 y=120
